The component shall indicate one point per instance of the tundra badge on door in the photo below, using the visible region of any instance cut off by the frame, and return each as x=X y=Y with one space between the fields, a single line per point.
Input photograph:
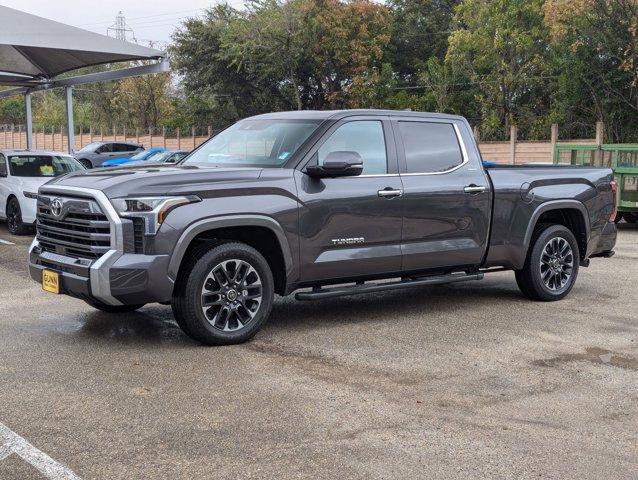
x=348 y=241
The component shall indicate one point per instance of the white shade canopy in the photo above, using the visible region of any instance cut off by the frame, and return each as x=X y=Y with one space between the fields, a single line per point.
x=35 y=49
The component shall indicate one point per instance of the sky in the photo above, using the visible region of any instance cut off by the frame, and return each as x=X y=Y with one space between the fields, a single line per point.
x=150 y=20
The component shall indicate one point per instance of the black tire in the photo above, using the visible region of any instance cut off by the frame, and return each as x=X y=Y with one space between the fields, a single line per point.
x=618 y=217
x=14 y=218
x=113 y=308
x=630 y=217
x=532 y=279
x=86 y=163
x=241 y=317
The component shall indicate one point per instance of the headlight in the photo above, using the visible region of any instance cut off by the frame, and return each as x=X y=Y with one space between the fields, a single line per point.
x=152 y=209
x=30 y=194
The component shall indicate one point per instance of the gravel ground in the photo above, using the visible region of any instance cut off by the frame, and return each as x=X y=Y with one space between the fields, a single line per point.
x=462 y=381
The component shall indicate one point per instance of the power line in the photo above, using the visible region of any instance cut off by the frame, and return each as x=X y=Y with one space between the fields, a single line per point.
x=120 y=28
x=143 y=17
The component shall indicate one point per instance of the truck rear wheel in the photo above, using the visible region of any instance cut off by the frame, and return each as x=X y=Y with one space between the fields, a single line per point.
x=551 y=266
x=223 y=294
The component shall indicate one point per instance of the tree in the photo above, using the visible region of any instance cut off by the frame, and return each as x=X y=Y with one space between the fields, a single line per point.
x=12 y=111
x=420 y=30
x=502 y=47
x=295 y=54
x=597 y=56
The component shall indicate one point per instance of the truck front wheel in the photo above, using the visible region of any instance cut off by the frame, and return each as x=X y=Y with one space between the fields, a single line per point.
x=551 y=266
x=223 y=294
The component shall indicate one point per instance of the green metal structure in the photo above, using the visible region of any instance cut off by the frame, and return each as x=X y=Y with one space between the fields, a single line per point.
x=621 y=158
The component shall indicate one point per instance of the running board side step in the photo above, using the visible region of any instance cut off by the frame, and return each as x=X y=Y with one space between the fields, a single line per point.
x=320 y=293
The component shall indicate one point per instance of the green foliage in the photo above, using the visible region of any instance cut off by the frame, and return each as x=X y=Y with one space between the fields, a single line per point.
x=12 y=111
x=502 y=46
x=420 y=32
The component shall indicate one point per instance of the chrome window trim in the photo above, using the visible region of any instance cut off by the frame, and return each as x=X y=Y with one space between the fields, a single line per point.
x=375 y=175
x=99 y=275
x=459 y=138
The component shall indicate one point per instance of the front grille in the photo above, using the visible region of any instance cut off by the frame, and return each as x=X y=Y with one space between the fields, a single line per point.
x=138 y=234
x=81 y=231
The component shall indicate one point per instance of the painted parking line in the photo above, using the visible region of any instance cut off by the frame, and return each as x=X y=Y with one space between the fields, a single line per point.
x=12 y=443
x=6 y=242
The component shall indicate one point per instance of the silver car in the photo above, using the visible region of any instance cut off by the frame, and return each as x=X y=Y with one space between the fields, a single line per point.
x=96 y=153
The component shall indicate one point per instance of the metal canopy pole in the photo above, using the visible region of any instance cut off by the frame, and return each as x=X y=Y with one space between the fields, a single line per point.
x=70 y=129
x=29 y=120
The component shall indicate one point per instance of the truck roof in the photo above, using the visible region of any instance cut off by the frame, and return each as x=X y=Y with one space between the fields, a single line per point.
x=338 y=114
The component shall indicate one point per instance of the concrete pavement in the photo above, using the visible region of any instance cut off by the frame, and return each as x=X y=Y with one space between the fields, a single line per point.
x=462 y=381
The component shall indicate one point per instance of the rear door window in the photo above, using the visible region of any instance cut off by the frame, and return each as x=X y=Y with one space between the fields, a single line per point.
x=430 y=147
x=121 y=147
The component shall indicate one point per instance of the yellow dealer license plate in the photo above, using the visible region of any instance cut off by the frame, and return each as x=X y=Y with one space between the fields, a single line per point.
x=50 y=281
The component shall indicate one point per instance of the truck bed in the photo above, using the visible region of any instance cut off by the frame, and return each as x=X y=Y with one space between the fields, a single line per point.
x=522 y=194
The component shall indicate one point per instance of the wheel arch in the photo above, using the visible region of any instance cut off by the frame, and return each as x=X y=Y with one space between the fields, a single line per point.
x=260 y=232
x=569 y=213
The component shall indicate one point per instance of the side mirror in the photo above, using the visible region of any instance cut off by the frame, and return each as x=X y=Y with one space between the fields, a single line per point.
x=3 y=168
x=337 y=164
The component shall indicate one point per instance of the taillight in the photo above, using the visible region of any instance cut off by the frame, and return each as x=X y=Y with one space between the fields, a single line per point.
x=614 y=195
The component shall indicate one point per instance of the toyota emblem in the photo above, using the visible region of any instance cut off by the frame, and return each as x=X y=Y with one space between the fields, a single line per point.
x=56 y=208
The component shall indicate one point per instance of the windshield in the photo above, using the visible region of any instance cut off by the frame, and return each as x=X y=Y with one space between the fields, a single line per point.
x=263 y=143
x=90 y=147
x=158 y=157
x=140 y=156
x=42 y=165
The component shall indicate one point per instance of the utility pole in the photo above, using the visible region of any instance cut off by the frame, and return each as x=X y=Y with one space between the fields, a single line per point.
x=120 y=29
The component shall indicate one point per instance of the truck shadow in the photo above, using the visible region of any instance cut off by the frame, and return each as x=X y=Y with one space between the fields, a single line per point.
x=390 y=306
x=627 y=226
x=155 y=325
x=151 y=326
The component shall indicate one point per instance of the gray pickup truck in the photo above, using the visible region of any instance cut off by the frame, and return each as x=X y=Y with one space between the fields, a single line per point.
x=324 y=203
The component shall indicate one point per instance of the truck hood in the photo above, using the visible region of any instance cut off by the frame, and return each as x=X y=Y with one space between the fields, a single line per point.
x=156 y=180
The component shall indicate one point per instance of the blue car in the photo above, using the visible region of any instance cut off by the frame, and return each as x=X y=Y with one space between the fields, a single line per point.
x=143 y=155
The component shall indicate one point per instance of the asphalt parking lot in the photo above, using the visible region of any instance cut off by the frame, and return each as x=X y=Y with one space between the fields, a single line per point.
x=460 y=381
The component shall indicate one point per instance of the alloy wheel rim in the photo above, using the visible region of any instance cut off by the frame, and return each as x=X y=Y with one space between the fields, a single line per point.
x=556 y=264
x=231 y=295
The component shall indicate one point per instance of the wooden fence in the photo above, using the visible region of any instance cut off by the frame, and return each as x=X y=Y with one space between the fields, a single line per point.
x=512 y=151
x=56 y=139
x=515 y=151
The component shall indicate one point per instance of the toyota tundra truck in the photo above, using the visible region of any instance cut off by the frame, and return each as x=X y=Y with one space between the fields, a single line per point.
x=321 y=203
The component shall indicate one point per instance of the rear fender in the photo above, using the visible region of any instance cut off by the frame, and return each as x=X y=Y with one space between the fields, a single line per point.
x=548 y=207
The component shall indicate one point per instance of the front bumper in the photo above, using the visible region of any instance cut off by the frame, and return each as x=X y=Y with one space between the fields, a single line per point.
x=114 y=279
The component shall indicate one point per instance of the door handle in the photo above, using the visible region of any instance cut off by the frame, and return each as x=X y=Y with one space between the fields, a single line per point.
x=389 y=192
x=474 y=189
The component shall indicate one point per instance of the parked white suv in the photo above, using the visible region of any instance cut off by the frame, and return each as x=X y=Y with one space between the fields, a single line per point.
x=22 y=172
